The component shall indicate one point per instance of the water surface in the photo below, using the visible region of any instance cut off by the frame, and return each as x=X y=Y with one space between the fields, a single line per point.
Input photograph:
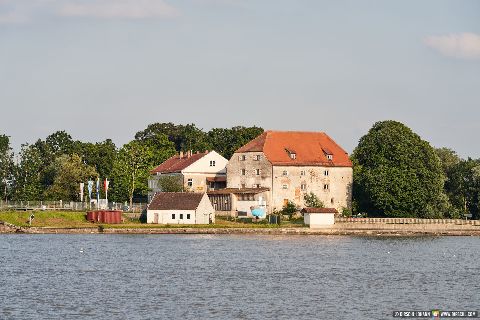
x=234 y=276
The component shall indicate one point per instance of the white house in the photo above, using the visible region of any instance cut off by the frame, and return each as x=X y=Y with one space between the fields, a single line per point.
x=197 y=172
x=180 y=208
x=319 y=217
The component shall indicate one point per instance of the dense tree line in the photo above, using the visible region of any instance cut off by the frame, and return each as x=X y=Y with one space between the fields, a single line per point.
x=51 y=169
x=397 y=174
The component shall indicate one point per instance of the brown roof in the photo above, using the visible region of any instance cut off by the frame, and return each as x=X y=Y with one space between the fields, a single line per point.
x=177 y=163
x=175 y=201
x=319 y=210
x=238 y=190
x=311 y=148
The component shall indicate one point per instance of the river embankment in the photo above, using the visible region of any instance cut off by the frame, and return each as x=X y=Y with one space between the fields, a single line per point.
x=356 y=229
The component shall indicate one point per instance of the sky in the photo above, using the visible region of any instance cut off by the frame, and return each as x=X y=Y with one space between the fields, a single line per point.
x=107 y=68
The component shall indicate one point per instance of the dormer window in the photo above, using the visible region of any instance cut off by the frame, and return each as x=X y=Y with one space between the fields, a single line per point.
x=327 y=153
x=212 y=163
x=292 y=154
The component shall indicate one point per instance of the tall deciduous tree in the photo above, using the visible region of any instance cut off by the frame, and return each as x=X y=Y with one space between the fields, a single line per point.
x=131 y=170
x=28 y=174
x=69 y=171
x=397 y=174
x=6 y=165
x=227 y=141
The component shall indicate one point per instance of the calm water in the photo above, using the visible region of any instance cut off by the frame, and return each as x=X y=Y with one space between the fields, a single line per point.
x=234 y=277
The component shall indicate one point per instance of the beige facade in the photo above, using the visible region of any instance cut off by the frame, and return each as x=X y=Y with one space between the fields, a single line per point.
x=332 y=185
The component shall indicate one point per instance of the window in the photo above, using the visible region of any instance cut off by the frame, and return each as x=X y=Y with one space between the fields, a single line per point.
x=190 y=182
x=293 y=156
x=325 y=172
x=303 y=187
x=285 y=186
x=332 y=201
x=243 y=172
x=181 y=215
x=325 y=187
x=243 y=185
x=302 y=173
x=242 y=157
x=256 y=185
x=212 y=163
x=329 y=156
x=246 y=197
x=173 y=216
x=257 y=172
x=285 y=173
x=188 y=216
x=257 y=157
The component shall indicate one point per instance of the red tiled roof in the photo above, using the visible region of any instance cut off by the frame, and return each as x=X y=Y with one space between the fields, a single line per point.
x=175 y=201
x=177 y=163
x=319 y=210
x=311 y=148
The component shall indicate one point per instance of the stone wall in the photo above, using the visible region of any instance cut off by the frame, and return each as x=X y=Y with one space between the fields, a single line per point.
x=337 y=195
x=235 y=179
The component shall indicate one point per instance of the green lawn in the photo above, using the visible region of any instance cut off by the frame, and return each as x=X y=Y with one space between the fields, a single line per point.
x=69 y=219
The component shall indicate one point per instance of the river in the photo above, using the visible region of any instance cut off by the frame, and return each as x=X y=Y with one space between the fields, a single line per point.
x=234 y=276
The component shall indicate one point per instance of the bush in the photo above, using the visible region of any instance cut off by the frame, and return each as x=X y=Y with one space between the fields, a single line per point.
x=312 y=201
x=289 y=209
x=347 y=213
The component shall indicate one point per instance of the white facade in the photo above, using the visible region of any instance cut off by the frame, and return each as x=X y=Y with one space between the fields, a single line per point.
x=319 y=220
x=199 y=176
x=203 y=214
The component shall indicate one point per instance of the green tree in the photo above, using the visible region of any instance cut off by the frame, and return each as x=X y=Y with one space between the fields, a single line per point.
x=69 y=171
x=312 y=201
x=160 y=146
x=289 y=209
x=100 y=155
x=6 y=165
x=28 y=174
x=185 y=137
x=131 y=171
x=397 y=174
x=170 y=183
x=227 y=141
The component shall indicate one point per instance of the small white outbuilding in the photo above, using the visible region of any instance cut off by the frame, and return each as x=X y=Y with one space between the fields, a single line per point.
x=180 y=208
x=319 y=217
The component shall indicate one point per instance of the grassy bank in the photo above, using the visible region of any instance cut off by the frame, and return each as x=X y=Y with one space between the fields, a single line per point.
x=69 y=219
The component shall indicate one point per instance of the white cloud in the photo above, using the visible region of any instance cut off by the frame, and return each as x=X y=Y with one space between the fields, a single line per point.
x=127 y=9
x=463 y=45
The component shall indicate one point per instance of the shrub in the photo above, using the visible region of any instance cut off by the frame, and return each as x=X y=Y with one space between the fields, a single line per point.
x=312 y=201
x=347 y=213
x=289 y=209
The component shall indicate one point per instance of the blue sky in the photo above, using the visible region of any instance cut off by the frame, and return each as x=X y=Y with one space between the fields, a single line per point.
x=107 y=68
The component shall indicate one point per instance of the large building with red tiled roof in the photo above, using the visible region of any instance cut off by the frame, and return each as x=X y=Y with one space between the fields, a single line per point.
x=292 y=164
x=197 y=172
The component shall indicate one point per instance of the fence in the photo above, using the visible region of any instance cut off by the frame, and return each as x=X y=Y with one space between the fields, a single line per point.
x=407 y=221
x=66 y=205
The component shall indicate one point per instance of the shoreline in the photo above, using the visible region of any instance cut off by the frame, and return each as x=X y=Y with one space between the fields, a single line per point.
x=352 y=229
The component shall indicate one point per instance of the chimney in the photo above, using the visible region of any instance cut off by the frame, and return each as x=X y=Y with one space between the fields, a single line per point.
x=189 y=153
x=206 y=151
x=197 y=152
x=181 y=154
